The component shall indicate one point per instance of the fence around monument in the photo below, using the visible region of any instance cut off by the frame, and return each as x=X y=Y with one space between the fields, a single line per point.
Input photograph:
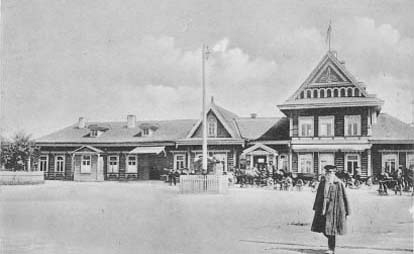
x=203 y=184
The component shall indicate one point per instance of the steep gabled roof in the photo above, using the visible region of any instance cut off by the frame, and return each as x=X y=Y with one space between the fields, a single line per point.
x=330 y=73
x=330 y=61
x=226 y=118
x=254 y=128
x=389 y=128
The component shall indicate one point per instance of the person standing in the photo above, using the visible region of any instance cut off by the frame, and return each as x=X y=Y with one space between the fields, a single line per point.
x=331 y=208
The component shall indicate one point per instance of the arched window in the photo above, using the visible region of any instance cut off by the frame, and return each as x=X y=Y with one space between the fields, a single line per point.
x=329 y=93
x=349 y=92
x=356 y=92
x=322 y=93
x=212 y=127
x=302 y=95
x=342 y=92
x=335 y=93
x=309 y=94
x=60 y=164
x=315 y=93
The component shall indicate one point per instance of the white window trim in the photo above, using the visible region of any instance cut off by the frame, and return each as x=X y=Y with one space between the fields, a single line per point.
x=304 y=118
x=47 y=163
x=280 y=161
x=175 y=160
x=84 y=167
x=346 y=162
x=332 y=120
x=64 y=161
x=300 y=163
x=346 y=119
x=212 y=120
x=383 y=155
x=406 y=159
x=109 y=165
x=127 y=164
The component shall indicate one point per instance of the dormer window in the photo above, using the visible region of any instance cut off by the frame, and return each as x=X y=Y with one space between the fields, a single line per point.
x=212 y=127
x=94 y=133
x=145 y=132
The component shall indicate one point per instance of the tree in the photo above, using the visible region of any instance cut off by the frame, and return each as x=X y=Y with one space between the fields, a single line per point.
x=16 y=154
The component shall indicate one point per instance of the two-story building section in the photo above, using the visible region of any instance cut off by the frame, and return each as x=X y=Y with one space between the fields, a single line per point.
x=334 y=120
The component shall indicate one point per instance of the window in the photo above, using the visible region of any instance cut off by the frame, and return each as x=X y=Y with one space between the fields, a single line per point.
x=353 y=125
x=305 y=163
x=94 y=133
x=212 y=127
x=329 y=93
x=322 y=93
x=43 y=163
x=113 y=164
x=283 y=162
x=131 y=164
x=352 y=161
x=306 y=126
x=222 y=158
x=342 y=92
x=389 y=162
x=145 y=132
x=179 y=161
x=349 y=92
x=356 y=92
x=410 y=160
x=326 y=126
x=308 y=94
x=86 y=164
x=335 y=93
x=315 y=93
x=302 y=94
x=325 y=159
x=59 y=163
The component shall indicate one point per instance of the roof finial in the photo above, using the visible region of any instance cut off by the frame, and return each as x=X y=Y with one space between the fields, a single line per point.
x=328 y=35
x=212 y=99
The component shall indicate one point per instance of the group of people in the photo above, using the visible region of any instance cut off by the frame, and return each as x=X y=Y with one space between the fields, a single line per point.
x=401 y=179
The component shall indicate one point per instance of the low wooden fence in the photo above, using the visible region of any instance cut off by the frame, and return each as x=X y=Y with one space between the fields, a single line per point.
x=203 y=184
x=21 y=177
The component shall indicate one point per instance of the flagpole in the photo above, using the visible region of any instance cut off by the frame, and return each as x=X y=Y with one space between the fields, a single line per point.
x=203 y=56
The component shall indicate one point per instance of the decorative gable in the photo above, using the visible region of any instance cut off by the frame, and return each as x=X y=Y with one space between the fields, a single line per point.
x=220 y=130
x=329 y=79
x=87 y=149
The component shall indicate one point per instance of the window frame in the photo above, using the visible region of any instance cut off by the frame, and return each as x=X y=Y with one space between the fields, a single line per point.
x=347 y=119
x=128 y=160
x=384 y=161
x=358 y=160
x=212 y=126
x=183 y=161
x=331 y=118
x=302 y=119
x=409 y=154
x=62 y=161
x=84 y=167
x=145 y=132
x=321 y=155
x=46 y=163
x=109 y=166
x=302 y=155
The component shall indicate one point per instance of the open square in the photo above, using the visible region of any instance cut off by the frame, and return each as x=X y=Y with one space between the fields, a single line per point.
x=152 y=217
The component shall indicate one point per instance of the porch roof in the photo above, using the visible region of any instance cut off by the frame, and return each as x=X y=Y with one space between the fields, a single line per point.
x=259 y=149
x=330 y=147
x=147 y=149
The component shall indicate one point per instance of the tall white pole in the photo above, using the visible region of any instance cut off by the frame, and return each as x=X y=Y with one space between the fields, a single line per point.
x=203 y=56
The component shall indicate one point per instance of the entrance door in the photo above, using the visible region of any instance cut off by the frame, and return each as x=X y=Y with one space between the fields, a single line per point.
x=260 y=161
x=352 y=161
x=325 y=159
x=222 y=158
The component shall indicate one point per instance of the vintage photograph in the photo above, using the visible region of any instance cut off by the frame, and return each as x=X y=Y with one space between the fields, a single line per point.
x=203 y=127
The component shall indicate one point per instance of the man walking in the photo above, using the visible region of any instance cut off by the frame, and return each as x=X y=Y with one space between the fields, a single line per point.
x=331 y=208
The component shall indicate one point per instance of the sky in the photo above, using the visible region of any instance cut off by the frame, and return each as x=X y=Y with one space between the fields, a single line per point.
x=105 y=59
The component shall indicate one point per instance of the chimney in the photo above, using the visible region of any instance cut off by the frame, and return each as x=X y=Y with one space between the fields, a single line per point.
x=253 y=115
x=131 y=120
x=82 y=122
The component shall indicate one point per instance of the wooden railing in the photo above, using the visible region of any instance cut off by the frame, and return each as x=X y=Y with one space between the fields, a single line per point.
x=203 y=184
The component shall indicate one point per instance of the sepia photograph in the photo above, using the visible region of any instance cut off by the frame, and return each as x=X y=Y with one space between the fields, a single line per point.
x=207 y=127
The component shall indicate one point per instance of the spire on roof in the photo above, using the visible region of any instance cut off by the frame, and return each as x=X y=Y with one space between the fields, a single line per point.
x=212 y=99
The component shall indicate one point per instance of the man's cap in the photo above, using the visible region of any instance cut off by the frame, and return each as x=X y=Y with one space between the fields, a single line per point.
x=330 y=167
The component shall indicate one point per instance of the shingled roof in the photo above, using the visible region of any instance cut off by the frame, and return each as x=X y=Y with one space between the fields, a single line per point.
x=254 y=128
x=169 y=130
x=390 y=129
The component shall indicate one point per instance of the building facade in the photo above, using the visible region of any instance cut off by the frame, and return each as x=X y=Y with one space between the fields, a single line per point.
x=330 y=119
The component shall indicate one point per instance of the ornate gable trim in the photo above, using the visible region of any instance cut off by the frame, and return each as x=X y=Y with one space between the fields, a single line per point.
x=329 y=61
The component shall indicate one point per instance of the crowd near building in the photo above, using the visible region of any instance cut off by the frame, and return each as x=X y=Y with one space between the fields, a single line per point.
x=330 y=119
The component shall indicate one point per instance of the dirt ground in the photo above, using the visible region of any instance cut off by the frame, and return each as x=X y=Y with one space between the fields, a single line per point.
x=152 y=217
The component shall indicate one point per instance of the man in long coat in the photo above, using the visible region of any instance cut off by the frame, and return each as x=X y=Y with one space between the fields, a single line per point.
x=331 y=208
